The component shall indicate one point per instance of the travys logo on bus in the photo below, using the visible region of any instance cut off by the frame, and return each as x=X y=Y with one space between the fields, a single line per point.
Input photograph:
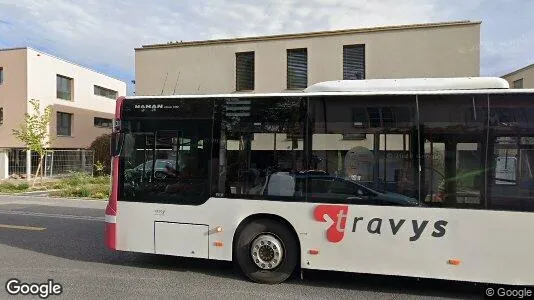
x=379 y=226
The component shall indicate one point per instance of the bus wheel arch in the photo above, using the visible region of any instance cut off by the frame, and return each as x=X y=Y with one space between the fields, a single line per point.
x=283 y=231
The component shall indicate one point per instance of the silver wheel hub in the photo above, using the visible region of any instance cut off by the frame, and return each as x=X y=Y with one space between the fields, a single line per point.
x=266 y=251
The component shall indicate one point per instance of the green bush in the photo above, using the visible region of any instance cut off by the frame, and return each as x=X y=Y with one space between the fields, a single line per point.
x=98 y=191
x=9 y=187
x=23 y=186
x=73 y=185
x=83 y=185
x=79 y=191
x=101 y=146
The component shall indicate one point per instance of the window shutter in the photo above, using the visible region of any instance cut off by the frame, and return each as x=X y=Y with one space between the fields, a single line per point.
x=244 y=71
x=518 y=84
x=353 y=62
x=297 y=68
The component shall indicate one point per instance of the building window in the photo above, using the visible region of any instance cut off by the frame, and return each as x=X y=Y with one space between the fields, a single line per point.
x=297 y=68
x=64 y=87
x=64 y=123
x=1 y=115
x=1 y=75
x=101 y=91
x=244 y=71
x=353 y=62
x=102 y=122
x=518 y=84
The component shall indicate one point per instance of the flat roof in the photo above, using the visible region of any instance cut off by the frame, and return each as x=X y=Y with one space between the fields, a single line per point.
x=62 y=59
x=13 y=49
x=519 y=70
x=307 y=34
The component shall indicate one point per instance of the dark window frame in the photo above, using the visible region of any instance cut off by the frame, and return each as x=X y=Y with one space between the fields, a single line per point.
x=67 y=94
x=518 y=84
x=105 y=92
x=292 y=72
x=349 y=53
x=244 y=71
x=61 y=129
x=1 y=75
x=97 y=121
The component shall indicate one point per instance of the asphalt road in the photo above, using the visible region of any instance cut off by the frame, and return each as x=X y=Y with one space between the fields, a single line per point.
x=62 y=240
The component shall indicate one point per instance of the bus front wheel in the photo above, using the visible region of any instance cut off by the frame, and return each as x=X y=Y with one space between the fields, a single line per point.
x=266 y=251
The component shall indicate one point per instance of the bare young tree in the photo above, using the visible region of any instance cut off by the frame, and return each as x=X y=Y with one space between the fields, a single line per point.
x=34 y=133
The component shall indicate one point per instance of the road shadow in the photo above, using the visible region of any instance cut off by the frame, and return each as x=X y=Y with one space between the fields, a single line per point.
x=83 y=240
x=397 y=285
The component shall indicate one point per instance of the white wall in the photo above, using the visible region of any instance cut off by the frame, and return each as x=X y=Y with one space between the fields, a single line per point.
x=42 y=72
x=4 y=170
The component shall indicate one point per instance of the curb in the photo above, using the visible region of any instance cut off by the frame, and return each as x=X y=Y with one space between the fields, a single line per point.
x=37 y=192
x=57 y=198
x=77 y=199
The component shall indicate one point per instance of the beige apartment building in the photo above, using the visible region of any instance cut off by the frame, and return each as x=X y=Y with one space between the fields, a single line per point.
x=291 y=62
x=522 y=78
x=82 y=102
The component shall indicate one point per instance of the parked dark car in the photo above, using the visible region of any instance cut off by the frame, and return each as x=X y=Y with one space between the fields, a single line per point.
x=321 y=187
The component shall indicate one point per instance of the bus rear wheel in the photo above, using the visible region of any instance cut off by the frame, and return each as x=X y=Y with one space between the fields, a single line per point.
x=266 y=251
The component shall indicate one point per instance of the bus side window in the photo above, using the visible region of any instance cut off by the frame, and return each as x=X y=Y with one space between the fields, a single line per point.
x=366 y=139
x=453 y=129
x=261 y=149
x=511 y=152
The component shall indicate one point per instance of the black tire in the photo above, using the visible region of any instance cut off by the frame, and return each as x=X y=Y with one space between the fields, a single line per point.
x=290 y=251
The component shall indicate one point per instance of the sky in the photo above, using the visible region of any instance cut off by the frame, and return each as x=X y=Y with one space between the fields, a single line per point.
x=102 y=34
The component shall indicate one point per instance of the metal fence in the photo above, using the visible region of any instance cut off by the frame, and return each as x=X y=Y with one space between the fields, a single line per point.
x=56 y=162
x=17 y=162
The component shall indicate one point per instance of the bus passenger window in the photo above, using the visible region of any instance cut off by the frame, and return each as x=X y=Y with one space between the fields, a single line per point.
x=261 y=148
x=368 y=141
x=511 y=153
x=453 y=131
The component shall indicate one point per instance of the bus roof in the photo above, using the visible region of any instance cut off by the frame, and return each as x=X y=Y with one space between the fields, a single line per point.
x=368 y=87
x=410 y=84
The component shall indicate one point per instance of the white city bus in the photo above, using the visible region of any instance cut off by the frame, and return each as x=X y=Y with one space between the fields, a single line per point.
x=430 y=178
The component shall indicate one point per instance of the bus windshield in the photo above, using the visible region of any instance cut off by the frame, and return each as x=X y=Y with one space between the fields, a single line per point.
x=167 y=165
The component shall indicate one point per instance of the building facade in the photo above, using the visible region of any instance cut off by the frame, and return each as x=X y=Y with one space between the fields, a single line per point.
x=522 y=78
x=294 y=61
x=82 y=102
